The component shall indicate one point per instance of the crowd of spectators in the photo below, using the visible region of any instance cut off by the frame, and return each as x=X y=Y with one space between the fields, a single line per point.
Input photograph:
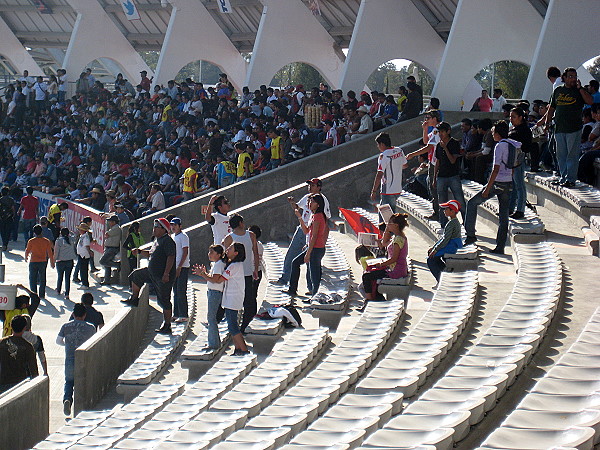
x=149 y=148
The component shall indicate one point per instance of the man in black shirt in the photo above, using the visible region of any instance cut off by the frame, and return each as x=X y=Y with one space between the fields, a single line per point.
x=160 y=272
x=447 y=169
x=17 y=356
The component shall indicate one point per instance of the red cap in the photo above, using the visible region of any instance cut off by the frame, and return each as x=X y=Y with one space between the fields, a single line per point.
x=364 y=93
x=454 y=205
x=163 y=223
x=315 y=181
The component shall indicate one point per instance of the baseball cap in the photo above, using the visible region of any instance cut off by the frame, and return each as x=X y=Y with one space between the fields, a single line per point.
x=175 y=221
x=162 y=222
x=315 y=181
x=194 y=162
x=454 y=205
x=115 y=219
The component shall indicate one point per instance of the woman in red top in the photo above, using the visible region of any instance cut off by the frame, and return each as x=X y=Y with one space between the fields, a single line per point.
x=317 y=231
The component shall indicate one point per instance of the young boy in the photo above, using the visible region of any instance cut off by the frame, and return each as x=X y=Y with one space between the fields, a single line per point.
x=450 y=242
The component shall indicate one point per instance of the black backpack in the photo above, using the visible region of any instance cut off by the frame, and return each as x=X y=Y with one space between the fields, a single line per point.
x=6 y=212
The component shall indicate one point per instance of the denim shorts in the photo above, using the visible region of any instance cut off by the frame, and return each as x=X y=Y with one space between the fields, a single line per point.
x=232 y=321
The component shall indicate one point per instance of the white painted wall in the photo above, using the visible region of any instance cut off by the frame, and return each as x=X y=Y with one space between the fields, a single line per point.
x=12 y=49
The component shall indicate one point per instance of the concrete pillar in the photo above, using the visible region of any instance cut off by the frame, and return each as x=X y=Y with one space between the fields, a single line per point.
x=96 y=36
x=408 y=35
x=564 y=41
x=483 y=32
x=190 y=22
x=288 y=32
x=12 y=49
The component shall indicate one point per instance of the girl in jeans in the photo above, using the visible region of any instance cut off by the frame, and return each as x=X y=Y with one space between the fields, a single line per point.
x=312 y=255
x=64 y=255
x=215 y=284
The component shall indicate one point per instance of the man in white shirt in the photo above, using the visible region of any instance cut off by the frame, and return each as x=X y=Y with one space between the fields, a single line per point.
x=62 y=85
x=331 y=138
x=366 y=123
x=40 y=88
x=299 y=239
x=499 y=100
x=390 y=164
x=182 y=265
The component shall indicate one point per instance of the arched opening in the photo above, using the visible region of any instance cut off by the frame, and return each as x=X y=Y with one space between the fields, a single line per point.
x=510 y=76
x=106 y=70
x=7 y=72
x=392 y=74
x=199 y=71
x=593 y=67
x=297 y=73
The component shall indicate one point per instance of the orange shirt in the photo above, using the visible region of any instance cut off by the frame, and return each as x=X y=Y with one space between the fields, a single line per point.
x=39 y=248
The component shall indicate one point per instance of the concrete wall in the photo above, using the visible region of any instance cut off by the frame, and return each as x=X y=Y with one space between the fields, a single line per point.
x=25 y=414
x=100 y=361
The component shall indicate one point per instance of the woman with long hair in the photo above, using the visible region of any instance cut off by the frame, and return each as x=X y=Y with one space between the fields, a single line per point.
x=395 y=266
x=317 y=231
x=64 y=255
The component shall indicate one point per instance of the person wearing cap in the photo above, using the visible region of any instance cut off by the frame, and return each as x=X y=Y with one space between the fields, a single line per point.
x=447 y=169
x=38 y=252
x=366 y=123
x=331 y=138
x=84 y=254
x=182 y=267
x=121 y=213
x=160 y=272
x=299 y=239
x=388 y=180
x=112 y=247
x=190 y=180
x=450 y=241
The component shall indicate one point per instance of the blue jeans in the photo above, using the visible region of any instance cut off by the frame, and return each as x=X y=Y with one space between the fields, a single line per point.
x=180 y=308
x=314 y=270
x=69 y=379
x=232 y=321
x=37 y=277
x=64 y=268
x=502 y=190
x=455 y=186
x=28 y=229
x=567 y=154
x=295 y=248
x=214 y=301
x=519 y=194
x=436 y=265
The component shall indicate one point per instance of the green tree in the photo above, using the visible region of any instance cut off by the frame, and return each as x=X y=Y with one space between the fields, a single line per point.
x=510 y=76
x=297 y=73
x=594 y=68
x=387 y=78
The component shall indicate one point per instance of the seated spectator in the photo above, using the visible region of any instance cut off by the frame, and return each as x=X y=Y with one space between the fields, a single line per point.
x=449 y=243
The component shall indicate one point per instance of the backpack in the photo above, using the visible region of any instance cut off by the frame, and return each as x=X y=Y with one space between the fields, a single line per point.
x=6 y=212
x=516 y=157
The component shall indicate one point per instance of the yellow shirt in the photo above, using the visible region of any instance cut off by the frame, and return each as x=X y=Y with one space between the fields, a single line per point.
x=165 y=113
x=8 y=317
x=190 y=179
x=276 y=148
x=241 y=170
x=54 y=209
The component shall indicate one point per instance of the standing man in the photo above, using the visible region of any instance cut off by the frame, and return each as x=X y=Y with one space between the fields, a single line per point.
x=299 y=239
x=160 y=272
x=145 y=81
x=190 y=180
x=71 y=335
x=17 y=356
x=388 y=180
x=29 y=208
x=112 y=247
x=499 y=100
x=7 y=216
x=218 y=220
x=41 y=89
x=38 y=251
x=84 y=254
x=182 y=264
x=499 y=184
x=55 y=217
x=566 y=106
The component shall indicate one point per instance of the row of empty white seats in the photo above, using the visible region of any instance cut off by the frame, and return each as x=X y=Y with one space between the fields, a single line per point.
x=563 y=408
x=102 y=429
x=421 y=210
x=530 y=225
x=273 y=258
x=583 y=197
x=244 y=400
x=442 y=415
x=157 y=353
x=226 y=373
x=336 y=278
x=405 y=368
x=300 y=405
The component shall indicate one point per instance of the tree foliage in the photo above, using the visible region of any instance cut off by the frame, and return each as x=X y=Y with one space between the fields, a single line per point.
x=594 y=68
x=510 y=76
x=386 y=78
x=297 y=73
x=203 y=71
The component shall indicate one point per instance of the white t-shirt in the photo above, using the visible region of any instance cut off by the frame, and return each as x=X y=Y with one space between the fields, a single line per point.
x=182 y=241
x=261 y=261
x=82 y=244
x=220 y=228
x=158 y=201
x=235 y=287
x=246 y=240
x=390 y=164
x=40 y=90
x=307 y=213
x=433 y=138
x=217 y=268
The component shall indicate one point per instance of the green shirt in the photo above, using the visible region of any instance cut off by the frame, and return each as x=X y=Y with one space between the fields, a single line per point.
x=568 y=104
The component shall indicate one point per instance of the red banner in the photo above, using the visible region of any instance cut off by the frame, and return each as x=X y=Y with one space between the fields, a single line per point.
x=358 y=223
